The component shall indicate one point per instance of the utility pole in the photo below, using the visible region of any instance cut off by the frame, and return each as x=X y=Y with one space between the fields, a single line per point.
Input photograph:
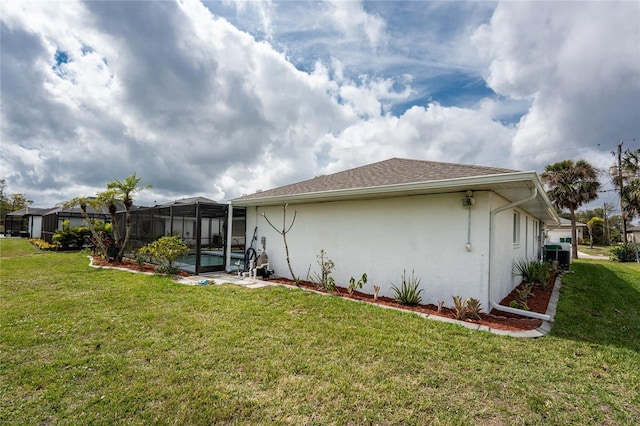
x=607 y=233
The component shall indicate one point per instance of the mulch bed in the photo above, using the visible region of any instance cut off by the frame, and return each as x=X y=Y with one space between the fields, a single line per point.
x=132 y=265
x=494 y=319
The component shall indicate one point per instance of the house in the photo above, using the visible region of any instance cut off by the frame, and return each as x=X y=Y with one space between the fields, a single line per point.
x=458 y=227
x=26 y=222
x=633 y=234
x=562 y=233
x=53 y=220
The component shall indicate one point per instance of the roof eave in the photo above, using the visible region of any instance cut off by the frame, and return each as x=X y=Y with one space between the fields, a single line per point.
x=397 y=190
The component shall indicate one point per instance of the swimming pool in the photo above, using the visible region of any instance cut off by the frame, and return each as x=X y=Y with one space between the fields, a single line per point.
x=209 y=259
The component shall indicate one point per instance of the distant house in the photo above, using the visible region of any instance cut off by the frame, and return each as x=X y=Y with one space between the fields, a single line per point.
x=54 y=219
x=458 y=227
x=562 y=233
x=633 y=234
x=26 y=222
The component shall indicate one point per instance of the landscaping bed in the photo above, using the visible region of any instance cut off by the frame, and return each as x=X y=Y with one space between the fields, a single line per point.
x=130 y=264
x=494 y=319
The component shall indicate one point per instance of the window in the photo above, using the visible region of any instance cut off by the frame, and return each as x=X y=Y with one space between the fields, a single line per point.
x=516 y=228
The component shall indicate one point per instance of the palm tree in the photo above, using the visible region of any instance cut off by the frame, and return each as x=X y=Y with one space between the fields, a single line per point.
x=110 y=199
x=124 y=191
x=83 y=202
x=631 y=190
x=571 y=185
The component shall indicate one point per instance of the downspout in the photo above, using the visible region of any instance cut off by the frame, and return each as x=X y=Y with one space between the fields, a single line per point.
x=494 y=304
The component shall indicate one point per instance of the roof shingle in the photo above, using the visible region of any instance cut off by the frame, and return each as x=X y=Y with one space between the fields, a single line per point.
x=395 y=171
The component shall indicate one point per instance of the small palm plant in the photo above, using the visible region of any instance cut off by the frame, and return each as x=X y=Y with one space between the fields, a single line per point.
x=408 y=293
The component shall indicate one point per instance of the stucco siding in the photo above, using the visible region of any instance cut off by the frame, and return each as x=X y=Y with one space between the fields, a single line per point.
x=507 y=251
x=35 y=226
x=426 y=234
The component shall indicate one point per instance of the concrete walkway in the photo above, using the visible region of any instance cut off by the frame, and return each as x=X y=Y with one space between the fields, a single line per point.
x=217 y=278
x=582 y=255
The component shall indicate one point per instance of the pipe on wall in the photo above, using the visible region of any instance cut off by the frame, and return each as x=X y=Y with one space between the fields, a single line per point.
x=493 y=303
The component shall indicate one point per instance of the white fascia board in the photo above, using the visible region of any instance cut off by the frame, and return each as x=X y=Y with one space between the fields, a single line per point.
x=555 y=219
x=529 y=179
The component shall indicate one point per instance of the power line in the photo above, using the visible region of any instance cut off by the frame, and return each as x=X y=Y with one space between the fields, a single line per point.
x=599 y=145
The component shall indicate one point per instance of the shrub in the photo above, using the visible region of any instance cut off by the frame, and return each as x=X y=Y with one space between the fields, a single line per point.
x=624 y=253
x=459 y=311
x=139 y=258
x=543 y=274
x=166 y=251
x=466 y=308
x=324 y=280
x=42 y=244
x=408 y=293
x=526 y=269
x=474 y=308
x=519 y=305
x=532 y=271
x=525 y=291
x=72 y=237
x=353 y=284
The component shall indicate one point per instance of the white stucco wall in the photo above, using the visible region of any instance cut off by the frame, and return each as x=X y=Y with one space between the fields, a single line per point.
x=35 y=226
x=554 y=235
x=506 y=252
x=427 y=234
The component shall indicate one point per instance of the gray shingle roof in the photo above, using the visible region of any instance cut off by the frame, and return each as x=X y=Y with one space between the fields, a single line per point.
x=395 y=171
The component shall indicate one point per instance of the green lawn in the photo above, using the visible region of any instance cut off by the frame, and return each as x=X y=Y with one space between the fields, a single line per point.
x=79 y=345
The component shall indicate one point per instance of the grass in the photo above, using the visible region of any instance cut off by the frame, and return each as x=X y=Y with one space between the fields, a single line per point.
x=79 y=345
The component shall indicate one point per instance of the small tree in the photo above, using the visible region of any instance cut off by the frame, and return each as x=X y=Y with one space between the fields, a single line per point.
x=109 y=198
x=324 y=279
x=284 y=232
x=591 y=225
x=83 y=202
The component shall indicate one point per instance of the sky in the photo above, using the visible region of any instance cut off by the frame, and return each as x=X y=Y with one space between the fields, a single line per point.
x=220 y=99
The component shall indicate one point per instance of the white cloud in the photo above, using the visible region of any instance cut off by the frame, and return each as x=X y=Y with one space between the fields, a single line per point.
x=196 y=106
x=351 y=18
x=578 y=64
x=433 y=133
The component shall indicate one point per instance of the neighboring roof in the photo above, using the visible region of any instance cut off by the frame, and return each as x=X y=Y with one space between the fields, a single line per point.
x=29 y=211
x=71 y=211
x=566 y=223
x=399 y=177
x=188 y=201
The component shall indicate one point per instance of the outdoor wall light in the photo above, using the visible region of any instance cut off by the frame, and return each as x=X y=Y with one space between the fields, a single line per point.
x=468 y=201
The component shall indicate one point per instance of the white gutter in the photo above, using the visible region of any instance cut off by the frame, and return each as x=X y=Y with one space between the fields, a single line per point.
x=494 y=304
x=448 y=185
